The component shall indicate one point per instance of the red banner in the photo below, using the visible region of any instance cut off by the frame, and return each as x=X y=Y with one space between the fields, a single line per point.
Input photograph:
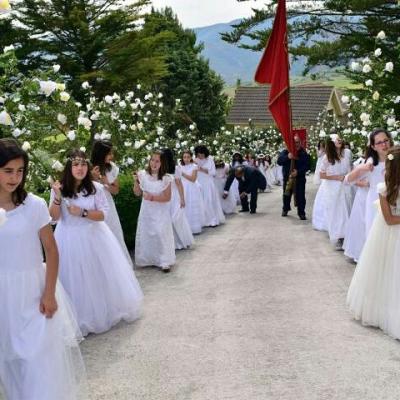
x=274 y=69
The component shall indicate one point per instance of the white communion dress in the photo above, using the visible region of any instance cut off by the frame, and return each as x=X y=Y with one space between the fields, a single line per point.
x=39 y=357
x=155 y=245
x=112 y=218
x=182 y=232
x=375 y=177
x=214 y=214
x=334 y=199
x=93 y=268
x=374 y=292
x=316 y=178
x=228 y=204
x=194 y=206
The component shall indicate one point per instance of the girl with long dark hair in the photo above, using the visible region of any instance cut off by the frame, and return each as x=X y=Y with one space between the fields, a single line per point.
x=40 y=357
x=333 y=202
x=182 y=233
x=155 y=245
x=374 y=293
x=214 y=214
x=106 y=172
x=93 y=267
x=194 y=206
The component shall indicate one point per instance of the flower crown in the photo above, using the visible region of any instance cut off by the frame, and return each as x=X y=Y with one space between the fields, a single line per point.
x=77 y=158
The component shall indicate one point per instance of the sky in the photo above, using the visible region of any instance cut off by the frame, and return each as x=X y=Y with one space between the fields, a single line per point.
x=198 y=13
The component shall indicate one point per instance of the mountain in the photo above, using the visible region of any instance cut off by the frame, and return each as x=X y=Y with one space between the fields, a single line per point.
x=230 y=61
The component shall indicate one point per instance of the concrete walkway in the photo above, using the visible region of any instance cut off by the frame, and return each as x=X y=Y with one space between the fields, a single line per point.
x=255 y=311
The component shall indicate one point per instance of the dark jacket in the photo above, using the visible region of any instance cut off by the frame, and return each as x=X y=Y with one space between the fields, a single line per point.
x=302 y=164
x=252 y=180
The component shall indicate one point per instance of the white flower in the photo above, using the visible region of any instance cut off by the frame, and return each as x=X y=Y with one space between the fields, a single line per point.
x=97 y=136
x=133 y=127
x=148 y=112
x=8 y=48
x=57 y=166
x=3 y=216
x=64 y=96
x=369 y=82
x=192 y=127
x=396 y=100
x=116 y=96
x=127 y=144
x=389 y=66
x=71 y=135
x=122 y=126
x=62 y=119
x=391 y=121
x=355 y=66
x=139 y=86
x=26 y=146
x=366 y=69
x=108 y=99
x=5 y=118
x=345 y=99
x=2 y=100
x=60 y=86
x=160 y=95
x=47 y=87
x=17 y=132
x=378 y=52
x=381 y=35
x=390 y=157
x=122 y=104
x=160 y=130
x=364 y=116
x=105 y=135
x=95 y=116
x=139 y=143
x=177 y=101
x=83 y=148
x=85 y=85
x=366 y=60
x=139 y=125
x=322 y=133
x=85 y=122
x=161 y=105
x=21 y=107
x=56 y=67
x=376 y=96
x=129 y=160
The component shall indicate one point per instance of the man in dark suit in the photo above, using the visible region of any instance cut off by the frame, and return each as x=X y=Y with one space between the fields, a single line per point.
x=250 y=181
x=301 y=166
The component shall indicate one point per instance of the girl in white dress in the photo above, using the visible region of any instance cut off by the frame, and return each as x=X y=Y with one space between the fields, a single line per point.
x=106 y=172
x=320 y=155
x=194 y=206
x=214 y=214
x=182 y=232
x=333 y=202
x=39 y=351
x=221 y=174
x=237 y=159
x=93 y=268
x=374 y=293
x=380 y=142
x=263 y=166
x=155 y=243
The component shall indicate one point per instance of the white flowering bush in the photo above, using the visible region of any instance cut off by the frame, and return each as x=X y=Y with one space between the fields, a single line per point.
x=375 y=103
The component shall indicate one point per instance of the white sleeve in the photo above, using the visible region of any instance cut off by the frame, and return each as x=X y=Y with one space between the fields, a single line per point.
x=324 y=164
x=381 y=189
x=100 y=200
x=211 y=167
x=113 y=174
x=42 y=215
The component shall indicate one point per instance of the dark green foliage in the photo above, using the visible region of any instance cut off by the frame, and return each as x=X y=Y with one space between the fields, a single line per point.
x=128 y=207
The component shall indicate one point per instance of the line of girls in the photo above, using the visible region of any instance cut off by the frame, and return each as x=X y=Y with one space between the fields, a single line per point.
x=367 y=228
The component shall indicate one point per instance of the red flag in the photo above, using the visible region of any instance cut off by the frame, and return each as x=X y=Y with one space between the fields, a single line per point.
x=274 y=69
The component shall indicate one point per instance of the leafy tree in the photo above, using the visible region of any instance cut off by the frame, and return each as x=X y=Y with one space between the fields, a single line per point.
x=189 y=77
x=88 y=39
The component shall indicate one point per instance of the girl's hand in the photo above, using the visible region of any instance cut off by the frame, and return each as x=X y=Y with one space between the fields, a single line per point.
x=56 y=186
x=48 y=305
x=183 y=204
x=363 y=183
x=147 y=196
x=74 y=210
x=96 y=173
x=367 y=167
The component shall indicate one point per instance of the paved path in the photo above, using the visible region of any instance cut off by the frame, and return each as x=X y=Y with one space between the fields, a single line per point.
x=256 y=311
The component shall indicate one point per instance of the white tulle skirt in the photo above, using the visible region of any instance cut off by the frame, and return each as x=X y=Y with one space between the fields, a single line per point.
x=39 y=357
x=182 y=232
x=229 y=204
x=354 y=237
x=97 y=276
x=211 y=199
x=194 y=207
x=374 y=293
x=319 y=213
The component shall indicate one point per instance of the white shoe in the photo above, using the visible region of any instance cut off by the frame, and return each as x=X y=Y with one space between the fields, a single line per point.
x=166 y=268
